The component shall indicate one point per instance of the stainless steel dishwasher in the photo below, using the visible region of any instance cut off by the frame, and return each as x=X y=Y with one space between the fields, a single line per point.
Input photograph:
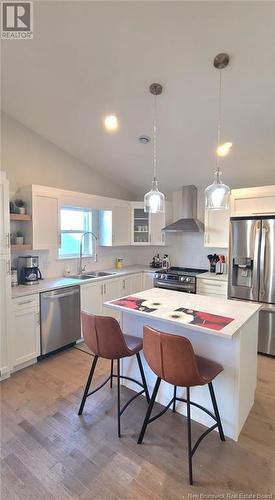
x=60 y=318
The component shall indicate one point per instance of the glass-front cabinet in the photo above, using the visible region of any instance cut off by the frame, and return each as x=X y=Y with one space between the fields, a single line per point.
x=146 y=229
x=140 y=226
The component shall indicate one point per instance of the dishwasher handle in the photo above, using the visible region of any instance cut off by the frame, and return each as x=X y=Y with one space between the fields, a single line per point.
x=56 y=294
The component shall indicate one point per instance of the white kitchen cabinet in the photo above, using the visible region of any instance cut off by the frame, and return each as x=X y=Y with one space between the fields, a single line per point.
x=146 y=229
x=25 y=330
x=131 y=284
x=212 y=286
x=216 y=228
x=111 y=290
x=5 y=300
x=148 y=281
x=140 y=225
x=5 y=278
x=91 y=297
x=4 y=219
x=253 y=201
x=115 y=226
x=157 y=223
x=45 y=220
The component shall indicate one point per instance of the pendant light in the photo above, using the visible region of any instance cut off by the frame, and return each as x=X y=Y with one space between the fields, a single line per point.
x=154 y=201
x=217 y=194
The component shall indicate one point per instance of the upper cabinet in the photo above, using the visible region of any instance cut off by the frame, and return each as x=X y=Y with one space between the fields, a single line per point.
x=146 y=229
x=120 y=222
x=216 y=228
x=253 y=201
x=45 y=216
x=42 y=231
x=115 y=226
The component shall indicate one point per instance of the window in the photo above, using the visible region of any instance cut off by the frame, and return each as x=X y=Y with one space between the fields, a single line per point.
x=73 y=223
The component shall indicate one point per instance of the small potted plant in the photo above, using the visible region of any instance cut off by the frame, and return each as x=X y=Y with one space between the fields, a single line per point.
x=21 y=206
x=19 y=238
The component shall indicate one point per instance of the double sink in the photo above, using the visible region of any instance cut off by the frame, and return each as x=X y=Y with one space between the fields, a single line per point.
x=91 y=275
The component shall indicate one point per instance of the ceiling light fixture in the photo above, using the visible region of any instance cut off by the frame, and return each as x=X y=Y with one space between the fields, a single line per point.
x=111 y=123
x=154 y=200
x=217 y=194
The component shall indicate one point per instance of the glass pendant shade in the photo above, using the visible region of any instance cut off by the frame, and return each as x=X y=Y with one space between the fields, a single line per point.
x=217 y=195
x=154 y=200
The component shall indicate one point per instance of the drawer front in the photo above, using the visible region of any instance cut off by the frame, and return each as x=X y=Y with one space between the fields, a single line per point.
x=28 y=301
x=211 y=287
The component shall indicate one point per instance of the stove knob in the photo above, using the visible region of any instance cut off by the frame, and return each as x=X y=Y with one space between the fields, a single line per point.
x=162 y=276
x=182 y=278
x=157 y=275
x=188 y=280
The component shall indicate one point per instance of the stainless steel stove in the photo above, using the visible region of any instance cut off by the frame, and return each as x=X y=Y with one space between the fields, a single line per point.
x=182 y=279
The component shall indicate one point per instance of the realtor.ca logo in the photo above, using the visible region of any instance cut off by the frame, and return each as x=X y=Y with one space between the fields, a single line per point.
x=16 y=20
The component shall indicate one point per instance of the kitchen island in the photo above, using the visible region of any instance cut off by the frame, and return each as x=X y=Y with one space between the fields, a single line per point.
x=222 y=330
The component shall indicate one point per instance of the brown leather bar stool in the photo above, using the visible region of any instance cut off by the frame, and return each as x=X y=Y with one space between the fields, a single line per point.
x=172 y=358
x=105 y=339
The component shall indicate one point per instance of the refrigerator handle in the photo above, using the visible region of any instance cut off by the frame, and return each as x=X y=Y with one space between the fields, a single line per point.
x=255 y=284
x=262 y=261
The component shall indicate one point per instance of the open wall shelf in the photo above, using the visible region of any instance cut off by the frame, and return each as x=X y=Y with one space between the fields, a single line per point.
x=20 y=217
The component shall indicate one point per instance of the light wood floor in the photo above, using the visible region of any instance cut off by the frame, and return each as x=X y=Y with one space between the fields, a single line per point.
x=48 y=452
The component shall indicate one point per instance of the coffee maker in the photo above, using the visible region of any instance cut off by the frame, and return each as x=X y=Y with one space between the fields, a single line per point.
x=28 y=270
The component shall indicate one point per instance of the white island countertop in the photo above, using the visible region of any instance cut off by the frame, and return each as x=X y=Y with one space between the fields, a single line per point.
x=160 y=304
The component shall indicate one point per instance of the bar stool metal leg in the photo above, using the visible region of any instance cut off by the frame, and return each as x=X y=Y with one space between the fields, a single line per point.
x=118 y=398
x=149 y=410
x=189 y=436
x=83 y=401
x=175 y=395
x=216 y=410
x=143 y=378
x=112 y=372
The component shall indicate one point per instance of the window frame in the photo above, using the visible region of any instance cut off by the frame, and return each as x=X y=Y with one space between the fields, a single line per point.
x=88 y=242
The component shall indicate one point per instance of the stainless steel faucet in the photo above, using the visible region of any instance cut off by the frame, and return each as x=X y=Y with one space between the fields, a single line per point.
x=81 y=268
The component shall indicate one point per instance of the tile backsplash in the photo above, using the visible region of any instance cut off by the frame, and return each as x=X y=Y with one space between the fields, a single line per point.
x=184 y=250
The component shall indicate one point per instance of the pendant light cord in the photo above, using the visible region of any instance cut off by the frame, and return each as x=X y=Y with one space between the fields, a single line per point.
x=219 y=118
x=155 y=139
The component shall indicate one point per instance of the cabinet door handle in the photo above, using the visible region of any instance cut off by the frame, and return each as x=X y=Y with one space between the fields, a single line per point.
x=8 y=267
x=104 y=288
x=124 y=284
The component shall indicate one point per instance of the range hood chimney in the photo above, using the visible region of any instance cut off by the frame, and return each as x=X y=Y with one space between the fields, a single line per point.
x=185 y=211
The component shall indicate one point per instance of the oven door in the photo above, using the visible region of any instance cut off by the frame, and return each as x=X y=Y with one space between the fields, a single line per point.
x=186 y=287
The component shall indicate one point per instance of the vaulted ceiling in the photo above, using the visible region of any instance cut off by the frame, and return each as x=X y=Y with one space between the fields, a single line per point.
x=88 y=59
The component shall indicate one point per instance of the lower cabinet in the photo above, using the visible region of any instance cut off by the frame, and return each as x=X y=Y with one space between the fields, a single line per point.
x=91 y=298
x=25 y=330
x=93 y=295
x=131 y=284
x=148 y=281
x=211 y=287
x=111 y=290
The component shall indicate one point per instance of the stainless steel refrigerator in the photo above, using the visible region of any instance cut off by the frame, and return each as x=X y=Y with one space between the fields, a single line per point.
x=252 y=271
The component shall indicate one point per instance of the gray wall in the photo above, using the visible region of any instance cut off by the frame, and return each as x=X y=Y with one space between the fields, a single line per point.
x=29 y=158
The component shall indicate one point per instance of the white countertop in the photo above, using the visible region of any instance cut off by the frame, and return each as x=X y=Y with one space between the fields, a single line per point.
x=213 y=276
x=170 y=300
x=61 y=282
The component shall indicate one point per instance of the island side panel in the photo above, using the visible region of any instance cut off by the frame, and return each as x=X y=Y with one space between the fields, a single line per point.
x=247 y=379
x=230 y=391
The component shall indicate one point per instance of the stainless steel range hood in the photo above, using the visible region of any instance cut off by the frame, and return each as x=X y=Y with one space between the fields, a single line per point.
x=185 y=211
